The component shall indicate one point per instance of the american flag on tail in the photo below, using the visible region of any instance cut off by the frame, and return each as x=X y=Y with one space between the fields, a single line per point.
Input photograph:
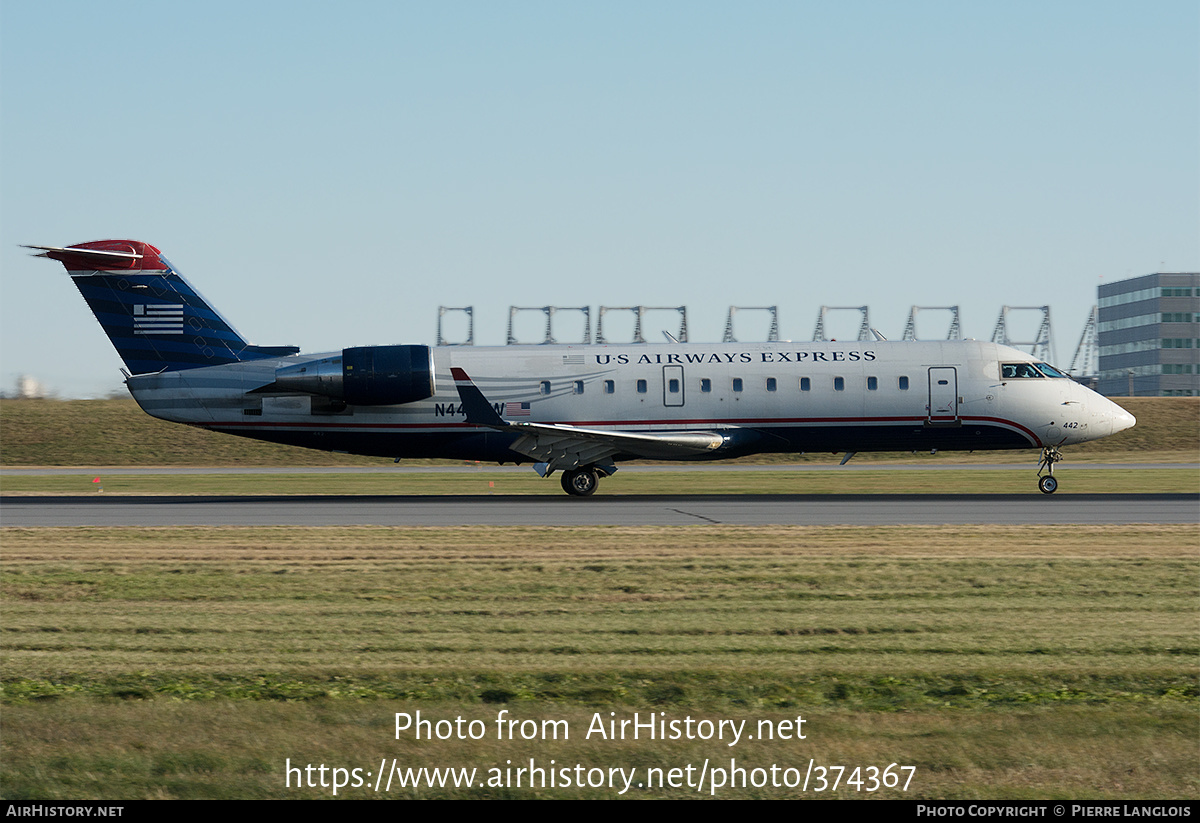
x=158 y=318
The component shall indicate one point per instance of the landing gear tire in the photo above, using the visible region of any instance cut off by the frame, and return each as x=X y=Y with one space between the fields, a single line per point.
x=580 y=482
x=1050 y=456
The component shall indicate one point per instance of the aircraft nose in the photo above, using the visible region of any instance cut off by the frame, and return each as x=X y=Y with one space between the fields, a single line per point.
x=1122 y=419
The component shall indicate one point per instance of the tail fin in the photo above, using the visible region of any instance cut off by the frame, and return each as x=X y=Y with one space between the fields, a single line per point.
x=154 y=317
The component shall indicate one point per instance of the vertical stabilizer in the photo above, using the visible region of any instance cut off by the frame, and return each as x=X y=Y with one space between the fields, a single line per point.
x=152 y=315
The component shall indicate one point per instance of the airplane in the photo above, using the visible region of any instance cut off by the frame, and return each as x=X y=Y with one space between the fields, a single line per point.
x=575 y=409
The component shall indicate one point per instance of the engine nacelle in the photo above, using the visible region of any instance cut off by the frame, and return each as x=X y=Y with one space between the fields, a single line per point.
x=363 y=376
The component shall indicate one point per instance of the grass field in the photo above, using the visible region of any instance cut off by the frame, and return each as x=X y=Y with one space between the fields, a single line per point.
x=1000 y=662
x=118 y=433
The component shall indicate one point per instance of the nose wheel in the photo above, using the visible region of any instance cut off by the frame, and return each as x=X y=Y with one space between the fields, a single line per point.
x=1046 y=483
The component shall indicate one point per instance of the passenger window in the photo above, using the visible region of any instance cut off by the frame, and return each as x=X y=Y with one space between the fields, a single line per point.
x=805 y=384
x=641 y=386
x=673 y=385
x=737 y=384
x=705 y=384
x=770 y=384
x=545 y=387
x=609 y=387
x=579 y=387
x=872 y=383
x=903 y=384
x=839 y=384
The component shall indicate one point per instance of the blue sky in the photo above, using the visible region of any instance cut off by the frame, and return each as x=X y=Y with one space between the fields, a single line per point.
x=329 y=174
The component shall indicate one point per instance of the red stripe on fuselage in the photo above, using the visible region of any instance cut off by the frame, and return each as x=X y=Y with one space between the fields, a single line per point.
x=623 y=425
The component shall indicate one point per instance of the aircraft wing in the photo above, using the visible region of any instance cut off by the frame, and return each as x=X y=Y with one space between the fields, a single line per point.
x=567 y=447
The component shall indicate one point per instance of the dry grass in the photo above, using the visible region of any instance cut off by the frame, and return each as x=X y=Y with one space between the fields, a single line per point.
x=239 y=546
x=182 y=750
x=1002 y=662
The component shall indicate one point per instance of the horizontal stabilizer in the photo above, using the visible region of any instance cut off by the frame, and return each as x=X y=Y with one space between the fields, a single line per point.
x=106 y=255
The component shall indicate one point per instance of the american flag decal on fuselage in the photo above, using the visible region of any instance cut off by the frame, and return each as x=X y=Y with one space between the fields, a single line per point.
x=516 y=410
x=160 y=318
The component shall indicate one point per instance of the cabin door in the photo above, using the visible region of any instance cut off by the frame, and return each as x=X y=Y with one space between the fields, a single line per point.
x=672 y=385
x=943 y=396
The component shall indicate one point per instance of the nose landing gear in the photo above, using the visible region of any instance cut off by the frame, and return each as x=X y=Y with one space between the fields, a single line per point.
x=1050 y=455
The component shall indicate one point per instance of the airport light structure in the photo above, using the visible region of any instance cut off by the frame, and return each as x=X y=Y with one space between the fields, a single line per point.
x=550 y=311
x=910 y=328
x=1039 y=347
x=864 y=329
x=639 y=313
x=772 y=333
x=469 y=311
x=1085 y=365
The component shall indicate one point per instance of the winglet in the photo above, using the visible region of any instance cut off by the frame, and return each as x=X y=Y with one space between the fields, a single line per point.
x=479 y=410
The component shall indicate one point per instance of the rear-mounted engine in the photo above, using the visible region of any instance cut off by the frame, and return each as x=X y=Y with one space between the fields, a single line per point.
x=363 y=376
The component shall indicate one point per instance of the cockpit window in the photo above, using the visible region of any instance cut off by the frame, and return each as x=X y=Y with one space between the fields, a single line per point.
x=1049 y=371
x=1017 y=371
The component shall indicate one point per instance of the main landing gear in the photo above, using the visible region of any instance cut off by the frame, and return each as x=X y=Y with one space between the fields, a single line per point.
x=581 y=482
x=1050 y=456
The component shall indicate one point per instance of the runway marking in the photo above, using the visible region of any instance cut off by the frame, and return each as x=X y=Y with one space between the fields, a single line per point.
x=698 y=516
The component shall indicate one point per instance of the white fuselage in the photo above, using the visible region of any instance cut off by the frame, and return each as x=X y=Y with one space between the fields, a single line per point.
x=768 y=397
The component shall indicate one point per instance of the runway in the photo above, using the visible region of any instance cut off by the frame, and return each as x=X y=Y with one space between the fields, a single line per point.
x=602 y=510
x=861 y=466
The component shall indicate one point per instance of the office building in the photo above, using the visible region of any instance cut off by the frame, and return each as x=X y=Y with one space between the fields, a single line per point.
x=1148 y=336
